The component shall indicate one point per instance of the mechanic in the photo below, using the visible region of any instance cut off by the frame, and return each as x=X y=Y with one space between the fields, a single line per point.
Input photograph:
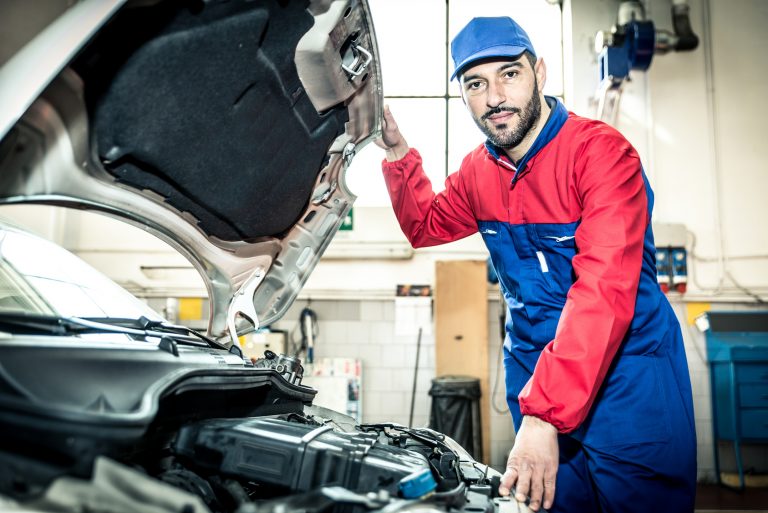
x=596 y=375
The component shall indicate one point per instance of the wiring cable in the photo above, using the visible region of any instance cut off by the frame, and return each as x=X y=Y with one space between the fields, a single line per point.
x=309 y=331
x=718 y=290
x=758 y=299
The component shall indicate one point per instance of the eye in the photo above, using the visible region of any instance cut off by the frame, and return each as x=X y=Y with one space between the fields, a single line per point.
x=510 y=74
x=474 y=86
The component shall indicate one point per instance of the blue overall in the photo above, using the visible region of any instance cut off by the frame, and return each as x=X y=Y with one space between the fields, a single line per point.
x=592 y=344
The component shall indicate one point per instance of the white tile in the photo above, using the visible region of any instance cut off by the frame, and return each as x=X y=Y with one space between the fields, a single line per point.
x=372 y=311
x=388 y=311
x=325 y=310
x=325 y=350
x=502 y=428
x=420 y=420
x=376 y=379
x=427 y=340
x=422 y=404
x=499 y=454
x=348 y=311
x=402 y=379
x=333 y=331
x=395 y=403
x=695 y=363
x=371 y=403
x=702 y=408
x=392 y=356
x=340 y=351
x=424 y=381
x=398 y=418
x=358 y=333
x=409 y=352
x=705 y=458
x=704 y=432
x=374 y=418
x=382 y=332
x=370 y=354
x=427 y=357
x=700 y=382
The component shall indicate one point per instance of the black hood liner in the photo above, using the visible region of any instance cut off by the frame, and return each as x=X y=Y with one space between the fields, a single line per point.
x=201 y=103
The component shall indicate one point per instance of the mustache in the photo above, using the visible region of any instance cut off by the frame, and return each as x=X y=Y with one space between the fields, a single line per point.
x=499 y=110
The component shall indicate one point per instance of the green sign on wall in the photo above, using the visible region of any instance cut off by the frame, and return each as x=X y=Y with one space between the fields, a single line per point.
x=348 y=223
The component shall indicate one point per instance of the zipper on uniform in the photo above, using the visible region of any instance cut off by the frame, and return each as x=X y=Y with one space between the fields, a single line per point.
x=510 y=167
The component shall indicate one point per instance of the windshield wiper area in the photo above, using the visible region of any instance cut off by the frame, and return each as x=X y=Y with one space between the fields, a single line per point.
x=33 y=324
x=147 y=327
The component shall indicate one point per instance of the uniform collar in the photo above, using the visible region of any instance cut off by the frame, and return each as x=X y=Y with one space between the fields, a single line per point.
x=556 y=120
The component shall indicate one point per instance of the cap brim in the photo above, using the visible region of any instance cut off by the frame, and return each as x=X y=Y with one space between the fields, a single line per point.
x=487 y=53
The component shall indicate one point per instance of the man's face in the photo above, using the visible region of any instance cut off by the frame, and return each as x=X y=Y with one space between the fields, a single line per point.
x=503 y=98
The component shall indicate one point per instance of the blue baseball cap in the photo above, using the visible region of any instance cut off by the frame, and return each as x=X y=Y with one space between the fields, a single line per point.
x=483 y=38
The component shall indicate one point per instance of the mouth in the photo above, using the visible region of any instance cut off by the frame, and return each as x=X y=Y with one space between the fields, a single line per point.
x=501 y=117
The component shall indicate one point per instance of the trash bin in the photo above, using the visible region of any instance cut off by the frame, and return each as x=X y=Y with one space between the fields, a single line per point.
x=456 y=411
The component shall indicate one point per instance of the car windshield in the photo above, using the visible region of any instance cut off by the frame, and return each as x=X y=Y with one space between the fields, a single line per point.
x=41 y=278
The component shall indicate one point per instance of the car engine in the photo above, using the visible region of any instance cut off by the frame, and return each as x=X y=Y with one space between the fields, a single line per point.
x=307 y=459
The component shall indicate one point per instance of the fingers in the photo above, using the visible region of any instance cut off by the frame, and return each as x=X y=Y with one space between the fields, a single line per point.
x=523 y=488
x=508 y=480
x=534 y=483
x=536 y=490
x=391 y=139
x=550 y=478
x=389 y=125
x=388 y=117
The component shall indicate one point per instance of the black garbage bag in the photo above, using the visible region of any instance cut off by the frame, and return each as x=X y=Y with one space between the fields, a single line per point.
x=456 y=411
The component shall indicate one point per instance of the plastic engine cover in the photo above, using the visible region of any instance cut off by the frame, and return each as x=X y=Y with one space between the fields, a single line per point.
x=295 y=456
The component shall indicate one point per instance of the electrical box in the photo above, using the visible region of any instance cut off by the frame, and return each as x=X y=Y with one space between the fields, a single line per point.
x=671 y=256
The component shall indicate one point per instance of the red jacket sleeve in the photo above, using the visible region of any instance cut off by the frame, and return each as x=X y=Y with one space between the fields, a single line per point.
x=601 y=302
x=426 y=218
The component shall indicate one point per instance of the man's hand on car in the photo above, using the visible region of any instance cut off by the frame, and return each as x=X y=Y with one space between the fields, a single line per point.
x=532 y=464
x=391 y=139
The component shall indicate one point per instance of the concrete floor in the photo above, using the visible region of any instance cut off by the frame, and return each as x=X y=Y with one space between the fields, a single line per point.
x=719 y=499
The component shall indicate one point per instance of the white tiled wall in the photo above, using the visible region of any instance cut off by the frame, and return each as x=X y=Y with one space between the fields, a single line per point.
x=695 y=351
x=502 y=430
x=366 y=330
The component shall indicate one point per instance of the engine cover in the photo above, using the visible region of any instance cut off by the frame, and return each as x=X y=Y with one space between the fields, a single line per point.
x=295 y=456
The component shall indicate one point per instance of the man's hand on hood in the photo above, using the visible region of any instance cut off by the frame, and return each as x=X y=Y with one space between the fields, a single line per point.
x=391 y=139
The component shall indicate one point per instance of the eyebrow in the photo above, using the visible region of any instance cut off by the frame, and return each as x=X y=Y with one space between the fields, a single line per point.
x=506 y=65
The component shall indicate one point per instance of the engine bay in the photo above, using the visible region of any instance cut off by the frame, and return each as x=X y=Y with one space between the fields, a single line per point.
x=308 y=459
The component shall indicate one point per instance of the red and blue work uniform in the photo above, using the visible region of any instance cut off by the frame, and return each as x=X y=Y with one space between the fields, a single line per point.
x=592 y=344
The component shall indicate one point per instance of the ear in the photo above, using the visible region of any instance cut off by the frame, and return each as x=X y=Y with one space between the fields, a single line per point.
x=541 y=73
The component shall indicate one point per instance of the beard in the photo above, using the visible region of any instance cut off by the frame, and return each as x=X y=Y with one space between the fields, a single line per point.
x=506 y=136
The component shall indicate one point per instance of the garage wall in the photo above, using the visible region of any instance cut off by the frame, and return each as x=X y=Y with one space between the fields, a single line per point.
x=694 y=117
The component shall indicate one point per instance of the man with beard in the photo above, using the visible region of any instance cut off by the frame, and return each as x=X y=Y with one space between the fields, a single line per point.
x=596 y=376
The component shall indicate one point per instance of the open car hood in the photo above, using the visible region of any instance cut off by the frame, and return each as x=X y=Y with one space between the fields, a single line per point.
x=222 y=127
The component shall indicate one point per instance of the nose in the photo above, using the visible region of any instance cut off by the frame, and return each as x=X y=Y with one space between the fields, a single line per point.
x=496 y=95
